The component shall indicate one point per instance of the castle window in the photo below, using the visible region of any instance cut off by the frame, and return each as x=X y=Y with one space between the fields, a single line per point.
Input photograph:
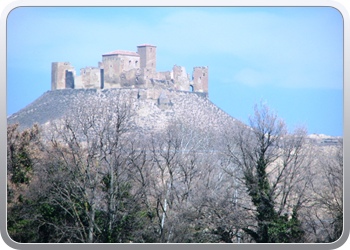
x=136 y=63
x=129 y=63
x=191 y=88
x=111 y=66
x=84 y=72
x=203 y=74
x=69 y=80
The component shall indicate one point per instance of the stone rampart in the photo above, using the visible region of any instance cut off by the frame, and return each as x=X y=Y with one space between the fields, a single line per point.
x=127 y=69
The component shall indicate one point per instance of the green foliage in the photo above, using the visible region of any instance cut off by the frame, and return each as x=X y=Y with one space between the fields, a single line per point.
x=21 y=230
x=271 y=226
x=19 y=158
x=22 y=165
x=284 y=230
x=21 y=222
x=274 y=228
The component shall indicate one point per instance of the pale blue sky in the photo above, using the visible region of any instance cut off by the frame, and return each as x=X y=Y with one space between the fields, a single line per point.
x=290 y=57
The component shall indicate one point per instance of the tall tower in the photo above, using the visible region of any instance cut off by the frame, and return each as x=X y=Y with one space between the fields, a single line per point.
x=200 y=79
x=62 y=75
x=148 y=56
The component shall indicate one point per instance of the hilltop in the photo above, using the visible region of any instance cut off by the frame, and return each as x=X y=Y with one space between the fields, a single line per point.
x=151 y=114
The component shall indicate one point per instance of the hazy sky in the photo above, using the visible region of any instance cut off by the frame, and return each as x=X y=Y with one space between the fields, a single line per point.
x=290 y=57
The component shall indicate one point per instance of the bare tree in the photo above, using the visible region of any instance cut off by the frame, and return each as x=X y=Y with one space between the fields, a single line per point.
x=86 y=150
x=179 y=155
x=273 y=164
x=325 y=216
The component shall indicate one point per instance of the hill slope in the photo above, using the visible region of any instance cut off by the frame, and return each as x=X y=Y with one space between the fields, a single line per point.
x=152 y=114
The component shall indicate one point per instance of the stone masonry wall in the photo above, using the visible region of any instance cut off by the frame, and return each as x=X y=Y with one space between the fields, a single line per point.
x=126 y=69
x=58 y=74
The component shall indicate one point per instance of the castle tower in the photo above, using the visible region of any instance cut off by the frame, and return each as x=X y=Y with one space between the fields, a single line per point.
x=116 y=63
x=62 y=75
x=148 y=56
x=200 y=79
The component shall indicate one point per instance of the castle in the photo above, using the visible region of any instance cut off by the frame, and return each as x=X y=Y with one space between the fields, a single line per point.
x=128 y=69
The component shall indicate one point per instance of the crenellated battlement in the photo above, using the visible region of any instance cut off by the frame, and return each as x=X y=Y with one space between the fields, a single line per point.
x=128 y=69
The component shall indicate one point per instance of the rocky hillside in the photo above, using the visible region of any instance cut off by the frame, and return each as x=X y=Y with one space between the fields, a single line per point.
x=325 y=140
x=152 y=114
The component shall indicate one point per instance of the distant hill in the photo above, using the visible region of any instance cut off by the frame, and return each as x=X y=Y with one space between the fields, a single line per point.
x=325 y=140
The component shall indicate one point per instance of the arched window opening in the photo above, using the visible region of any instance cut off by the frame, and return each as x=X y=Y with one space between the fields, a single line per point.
x=191 y=88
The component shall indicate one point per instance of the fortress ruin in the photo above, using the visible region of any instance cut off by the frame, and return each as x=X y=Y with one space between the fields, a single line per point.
x=128 y=69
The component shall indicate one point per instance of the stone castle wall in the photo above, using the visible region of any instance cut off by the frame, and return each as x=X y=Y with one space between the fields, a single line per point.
x=127 y=69
x=60 y=75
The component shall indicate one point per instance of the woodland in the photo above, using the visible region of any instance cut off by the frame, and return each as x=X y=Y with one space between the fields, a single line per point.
x=91 y=177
